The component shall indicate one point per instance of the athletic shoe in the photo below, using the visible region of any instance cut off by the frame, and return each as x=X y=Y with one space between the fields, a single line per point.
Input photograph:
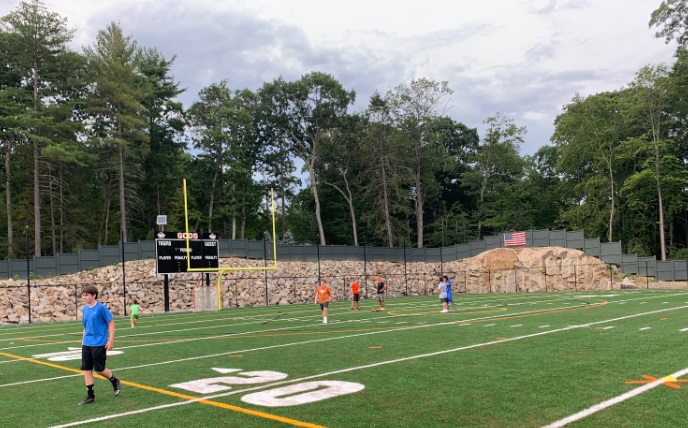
x=382 y=309
x=115 y=386
x=443 y=311
x=88 y=400
x=324 y=322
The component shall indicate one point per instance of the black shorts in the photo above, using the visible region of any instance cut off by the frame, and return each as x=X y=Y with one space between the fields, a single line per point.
x=357 y=297
x=93 y=358
x=324 y=305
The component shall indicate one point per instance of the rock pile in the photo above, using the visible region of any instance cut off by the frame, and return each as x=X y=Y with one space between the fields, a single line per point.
x=502 y=270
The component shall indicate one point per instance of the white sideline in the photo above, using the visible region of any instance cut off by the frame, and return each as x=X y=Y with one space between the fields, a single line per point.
x=603 y=405
x=368 y=366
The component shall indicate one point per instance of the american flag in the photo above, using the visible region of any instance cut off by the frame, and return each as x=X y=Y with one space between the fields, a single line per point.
x=514 y=239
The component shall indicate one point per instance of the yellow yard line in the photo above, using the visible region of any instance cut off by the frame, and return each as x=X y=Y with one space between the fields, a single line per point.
x=263 y=415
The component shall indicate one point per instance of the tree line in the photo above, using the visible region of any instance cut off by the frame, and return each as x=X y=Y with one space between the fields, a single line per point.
x=95 y=145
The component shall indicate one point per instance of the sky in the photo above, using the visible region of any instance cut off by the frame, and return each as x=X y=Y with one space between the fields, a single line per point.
x=523 y=58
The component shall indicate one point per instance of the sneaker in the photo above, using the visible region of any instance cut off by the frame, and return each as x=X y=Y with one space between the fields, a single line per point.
x=444 y=311
x=88 y=400
x=324 y=322
x=115 y=386
x=382 y=309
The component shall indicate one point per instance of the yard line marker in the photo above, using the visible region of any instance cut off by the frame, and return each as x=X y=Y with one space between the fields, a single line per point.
x=490 y=325
x=544 y=326
x=517 y=325
x=603 y=405
x=645 y=328
x=684 y=329
x=609 y=327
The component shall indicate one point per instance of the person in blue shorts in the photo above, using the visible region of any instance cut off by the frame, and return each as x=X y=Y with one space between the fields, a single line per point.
x=98 y=338
x=450 y=299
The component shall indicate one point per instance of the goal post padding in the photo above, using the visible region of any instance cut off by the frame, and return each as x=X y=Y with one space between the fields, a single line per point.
x=205 y=298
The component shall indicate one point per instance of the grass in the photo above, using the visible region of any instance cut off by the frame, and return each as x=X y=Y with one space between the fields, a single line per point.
x=517 y=360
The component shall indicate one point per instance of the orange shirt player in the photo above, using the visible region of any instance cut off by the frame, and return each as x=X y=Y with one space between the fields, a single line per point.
x=355 y=296
x=323 y=295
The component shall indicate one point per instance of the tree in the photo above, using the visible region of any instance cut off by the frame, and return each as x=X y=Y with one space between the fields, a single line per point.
x=40 y=38
x=303 y=114
x=588 y=135
x=14 y=100
x=672 y=18
x=224 y=125
x=412 y=106
x=340 y=166
x=384 y=174
x=454 y=148
x=165 y=162
x=210 y=119
x=496 y=164
x=659 y=161
x=115 y=104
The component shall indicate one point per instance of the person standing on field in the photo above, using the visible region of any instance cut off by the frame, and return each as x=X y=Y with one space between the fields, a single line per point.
x=381 y=288
x=450 y=297
x=442 y=289
x=323 y=295
x=98 y=338
x=355 y=295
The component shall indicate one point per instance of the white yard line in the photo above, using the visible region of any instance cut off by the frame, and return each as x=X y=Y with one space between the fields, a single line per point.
x=378 y=364
x=616 y=400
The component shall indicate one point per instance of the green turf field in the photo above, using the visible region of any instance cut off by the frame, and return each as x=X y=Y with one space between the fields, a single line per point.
x=516 y=360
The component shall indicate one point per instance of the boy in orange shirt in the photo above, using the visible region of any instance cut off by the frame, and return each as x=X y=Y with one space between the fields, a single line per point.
x=355 y=296
x=323 y=295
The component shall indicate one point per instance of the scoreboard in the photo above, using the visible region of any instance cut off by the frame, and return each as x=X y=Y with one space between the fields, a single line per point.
x=171 y=255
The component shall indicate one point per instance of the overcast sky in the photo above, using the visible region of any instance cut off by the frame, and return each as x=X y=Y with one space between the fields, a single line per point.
x=524 y=58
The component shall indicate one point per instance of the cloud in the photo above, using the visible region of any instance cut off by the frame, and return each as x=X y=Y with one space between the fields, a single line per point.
x=525 y=59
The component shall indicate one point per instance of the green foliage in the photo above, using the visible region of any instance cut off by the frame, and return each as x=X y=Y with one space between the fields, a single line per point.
x=102 y=148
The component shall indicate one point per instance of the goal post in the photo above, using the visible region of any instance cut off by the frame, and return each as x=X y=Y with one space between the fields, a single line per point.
x=205 y=298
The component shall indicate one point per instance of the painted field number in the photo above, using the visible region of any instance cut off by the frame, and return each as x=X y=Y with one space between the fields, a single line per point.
x=292 y=395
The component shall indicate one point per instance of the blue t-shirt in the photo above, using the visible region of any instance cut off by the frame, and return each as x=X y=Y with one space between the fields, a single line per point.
x=95 y=321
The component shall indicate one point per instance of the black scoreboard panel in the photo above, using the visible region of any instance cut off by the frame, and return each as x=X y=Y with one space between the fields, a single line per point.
x=170 y=255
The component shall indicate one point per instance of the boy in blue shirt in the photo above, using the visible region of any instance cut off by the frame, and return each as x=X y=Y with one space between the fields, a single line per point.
x=450 y=299
x=99 y=337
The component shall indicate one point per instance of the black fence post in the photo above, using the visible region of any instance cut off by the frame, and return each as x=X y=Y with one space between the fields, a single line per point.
x=365 y=271
x=405 y=272
x=124 y=277
x=28 y=272
x=265 y=272
x=76 y=304
x=318 y=250
x=166 y=291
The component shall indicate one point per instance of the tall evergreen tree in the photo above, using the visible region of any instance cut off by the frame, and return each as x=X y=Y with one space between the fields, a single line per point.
x=41 y=37
x=116 y=104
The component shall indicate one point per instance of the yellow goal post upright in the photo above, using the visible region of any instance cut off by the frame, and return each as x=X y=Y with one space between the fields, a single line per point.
x=222 y=270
